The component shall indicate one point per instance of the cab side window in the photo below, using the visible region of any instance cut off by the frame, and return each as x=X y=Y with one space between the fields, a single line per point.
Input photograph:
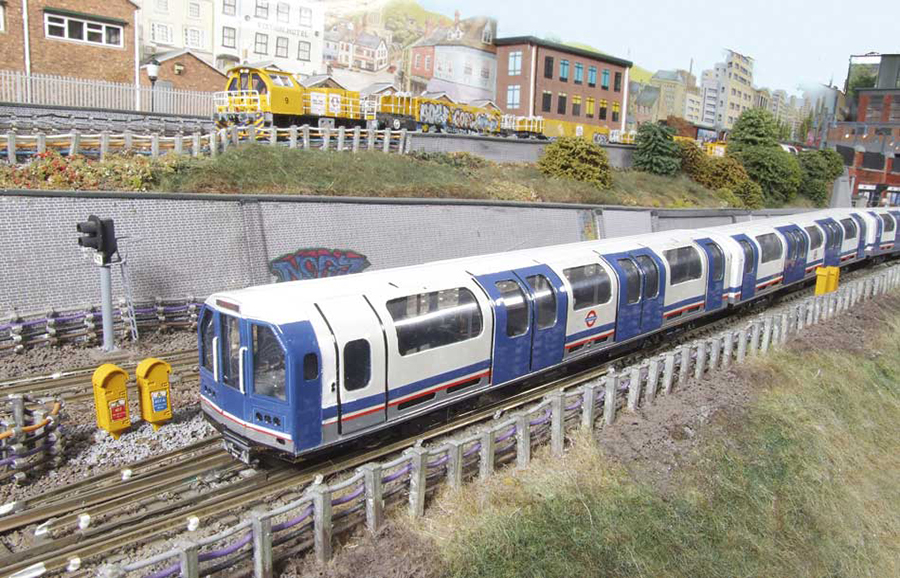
x=259 y=85
x=207 y=333
x=231 y=351
x=268 y=364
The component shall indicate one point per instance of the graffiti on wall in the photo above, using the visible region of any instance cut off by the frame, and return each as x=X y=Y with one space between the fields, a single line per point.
x=316 y=263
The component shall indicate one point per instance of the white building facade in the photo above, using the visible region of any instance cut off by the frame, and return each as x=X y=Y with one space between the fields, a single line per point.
x=466 y=73
x=167 y=25
x=289 y=34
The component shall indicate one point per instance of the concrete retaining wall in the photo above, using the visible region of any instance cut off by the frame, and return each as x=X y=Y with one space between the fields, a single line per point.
x=194 y=245
x=504 y=150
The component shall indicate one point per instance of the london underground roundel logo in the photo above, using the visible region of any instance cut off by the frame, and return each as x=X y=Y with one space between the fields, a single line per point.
x=590 y=318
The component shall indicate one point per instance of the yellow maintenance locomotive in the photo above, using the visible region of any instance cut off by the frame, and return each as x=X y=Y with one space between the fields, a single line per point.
x=267 y=97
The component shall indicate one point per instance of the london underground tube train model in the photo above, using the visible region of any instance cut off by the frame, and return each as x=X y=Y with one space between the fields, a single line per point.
x=296 y=367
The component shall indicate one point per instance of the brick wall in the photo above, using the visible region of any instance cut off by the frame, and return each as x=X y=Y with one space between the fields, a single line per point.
x=12 y=57
x=195 y=74
x=71 y=58
x=424 y=53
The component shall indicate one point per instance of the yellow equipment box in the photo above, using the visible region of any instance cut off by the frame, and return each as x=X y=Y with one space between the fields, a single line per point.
x=111 y=399
x=154 y=392
x=827 y=279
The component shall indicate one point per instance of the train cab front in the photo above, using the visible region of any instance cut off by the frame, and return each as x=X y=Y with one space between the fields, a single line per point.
x=260 y=384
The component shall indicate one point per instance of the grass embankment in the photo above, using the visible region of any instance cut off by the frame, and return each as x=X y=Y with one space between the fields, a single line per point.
x=804 y=482
x=268 y=170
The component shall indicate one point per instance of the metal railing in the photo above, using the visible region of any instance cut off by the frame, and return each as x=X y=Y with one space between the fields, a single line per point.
x=237 y=101
x=47 y=89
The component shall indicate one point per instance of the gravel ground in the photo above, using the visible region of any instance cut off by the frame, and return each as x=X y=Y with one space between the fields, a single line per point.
x=46 y=360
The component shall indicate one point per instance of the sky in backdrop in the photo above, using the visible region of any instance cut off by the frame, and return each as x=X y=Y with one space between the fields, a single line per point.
x=793 y=42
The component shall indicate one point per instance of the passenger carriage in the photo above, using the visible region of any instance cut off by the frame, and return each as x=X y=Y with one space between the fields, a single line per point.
x=299 y=366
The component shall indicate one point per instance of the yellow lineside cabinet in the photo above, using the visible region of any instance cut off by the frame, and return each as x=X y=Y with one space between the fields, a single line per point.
x=111 y=399
x=834 y=278
x=153 y=389
x=827 y=279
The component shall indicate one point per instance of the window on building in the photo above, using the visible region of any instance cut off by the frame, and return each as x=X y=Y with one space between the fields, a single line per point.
x=548 y=67
x=284 y=12
x=467 y=68
x=576 y=106
x=616 y=109
x=417 y=60
x=281 y=47
x=427 y=63
x=268 y=364
x=487 y=35
x=561 y=104
x=603 y=107
x=162 y=5
x=589 y=107
x=771 y=247
x=547 y=101
x=579 y=73
x=229 y=37
x=303 y=49
x=485 y=72
x=193 y=10
x=161 y=33
x=262 y=9
x=684 y=264
x=590 y=286
x=229 y=7
x=604 y=79
x=515 y=63
x=194 y=37
x=564 y=70
x=262 y=43
x=305 y=16
x=513 y=92
x=617 y=83
x=82 y=30
x=429 y=320
x=592 y=76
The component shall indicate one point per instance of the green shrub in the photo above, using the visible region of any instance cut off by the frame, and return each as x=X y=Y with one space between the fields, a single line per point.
x=750 y=194
x=723 y=172
x=694 y=162
x=775 y=170
x=577 y=159
x=835 y=162
x=755 y=127
x=656 y=151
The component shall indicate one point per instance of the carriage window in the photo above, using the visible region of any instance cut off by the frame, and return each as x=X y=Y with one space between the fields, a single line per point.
x=771 y=246
x=804 y=244
x=794 y=246
x=748 y=256
x=849 y=229
x=632 y=281
x=838 y=235
x=684 y=264
x=718 y=262
x=310 y=366
x=516 y=308
x=815 y=237
x=435 y=319
x=544 y=301
x=268 y=364
x=651 y=276
x=357 y=364
x=590 y=286
x=231 y=351
x=888 y=223
x=207 y=333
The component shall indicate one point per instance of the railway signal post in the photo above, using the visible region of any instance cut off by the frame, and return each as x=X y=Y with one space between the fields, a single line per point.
x=100 y=235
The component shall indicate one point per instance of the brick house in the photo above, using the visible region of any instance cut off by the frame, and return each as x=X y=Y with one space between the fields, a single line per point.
x=536 y=77
x=184 y=70
x=92 y=39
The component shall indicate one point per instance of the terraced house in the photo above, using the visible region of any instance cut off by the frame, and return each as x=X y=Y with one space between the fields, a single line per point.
x=561 y=83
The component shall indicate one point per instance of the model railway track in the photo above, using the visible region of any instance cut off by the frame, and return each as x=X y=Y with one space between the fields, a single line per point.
x=76 y=383
x=154 y=472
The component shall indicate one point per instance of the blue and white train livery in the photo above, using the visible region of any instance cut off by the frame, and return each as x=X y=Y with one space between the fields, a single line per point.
x=300 y=366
